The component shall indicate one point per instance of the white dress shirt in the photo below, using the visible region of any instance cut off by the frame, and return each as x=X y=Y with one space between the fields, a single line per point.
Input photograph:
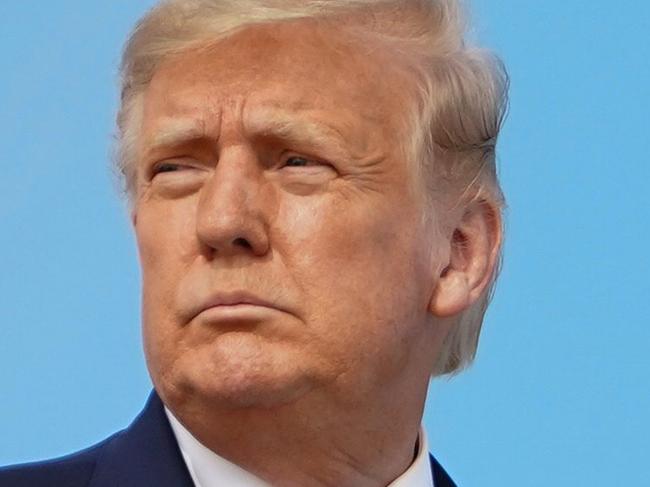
x=210 y=470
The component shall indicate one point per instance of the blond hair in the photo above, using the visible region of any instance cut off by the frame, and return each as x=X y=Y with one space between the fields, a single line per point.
x=461 y=95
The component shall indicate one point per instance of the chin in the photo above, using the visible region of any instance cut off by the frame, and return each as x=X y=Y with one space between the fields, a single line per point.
x=240 y=372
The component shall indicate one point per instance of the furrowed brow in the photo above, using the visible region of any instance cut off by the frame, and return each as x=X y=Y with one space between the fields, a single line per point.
x=297 y=130
x=173 y=132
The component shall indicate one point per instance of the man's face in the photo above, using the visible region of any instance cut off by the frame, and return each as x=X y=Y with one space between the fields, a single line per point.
x=270 y=167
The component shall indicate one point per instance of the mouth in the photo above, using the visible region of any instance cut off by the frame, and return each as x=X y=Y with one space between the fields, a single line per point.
x=238 y=305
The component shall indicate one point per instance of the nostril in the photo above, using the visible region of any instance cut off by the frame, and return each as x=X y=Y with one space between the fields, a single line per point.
x=242 y=242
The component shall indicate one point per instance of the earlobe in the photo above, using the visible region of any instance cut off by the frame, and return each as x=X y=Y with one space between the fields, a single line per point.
x=473 y=253
x=451 y=295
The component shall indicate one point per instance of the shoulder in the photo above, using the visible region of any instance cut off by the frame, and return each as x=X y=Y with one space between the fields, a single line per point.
x=74 y=470
x=145 y=453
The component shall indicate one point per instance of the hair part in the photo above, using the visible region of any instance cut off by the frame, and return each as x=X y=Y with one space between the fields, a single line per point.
x=459 y=94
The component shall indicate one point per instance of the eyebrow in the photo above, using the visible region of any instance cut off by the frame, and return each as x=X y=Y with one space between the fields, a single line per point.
x=175 y=131
x=273 y=123
x=296 y=129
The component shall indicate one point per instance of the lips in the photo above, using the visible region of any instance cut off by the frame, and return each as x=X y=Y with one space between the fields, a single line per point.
x=230 y=299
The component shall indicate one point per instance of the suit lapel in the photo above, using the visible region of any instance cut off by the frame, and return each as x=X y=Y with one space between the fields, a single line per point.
x=145 y=454
x=440 y=477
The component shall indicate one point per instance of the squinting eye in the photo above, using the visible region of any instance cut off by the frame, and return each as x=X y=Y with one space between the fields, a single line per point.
x=296 y=161
x=165 y=167
x=176 y=176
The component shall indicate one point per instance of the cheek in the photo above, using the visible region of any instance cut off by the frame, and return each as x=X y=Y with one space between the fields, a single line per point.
x=332 y=239
x=166 y=245
x=166 y=239
x=362 y=268
x=165 y=235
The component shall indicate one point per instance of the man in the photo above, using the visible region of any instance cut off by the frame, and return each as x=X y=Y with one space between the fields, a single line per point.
x=314 y=196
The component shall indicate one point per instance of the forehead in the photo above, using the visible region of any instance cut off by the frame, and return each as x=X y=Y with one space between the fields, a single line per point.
x=298 y=66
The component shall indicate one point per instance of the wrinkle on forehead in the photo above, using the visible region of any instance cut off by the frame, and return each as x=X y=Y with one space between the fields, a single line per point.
x=321 y=87
x=320 y=59
x=300 y=128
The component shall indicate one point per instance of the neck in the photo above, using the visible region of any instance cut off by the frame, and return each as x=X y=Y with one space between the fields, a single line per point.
x=301 y=443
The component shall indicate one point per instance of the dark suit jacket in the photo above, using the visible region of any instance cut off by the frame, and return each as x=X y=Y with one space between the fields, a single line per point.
x=145 y=454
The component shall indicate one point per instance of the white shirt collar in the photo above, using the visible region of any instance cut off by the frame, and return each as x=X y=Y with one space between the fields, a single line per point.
x=210 y=470
x=419 y=473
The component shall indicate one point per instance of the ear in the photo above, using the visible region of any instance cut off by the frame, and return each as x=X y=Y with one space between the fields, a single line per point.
x=134 y=218
x=474 y=246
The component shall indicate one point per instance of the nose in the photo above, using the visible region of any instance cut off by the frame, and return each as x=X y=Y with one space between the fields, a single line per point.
x=230 y=216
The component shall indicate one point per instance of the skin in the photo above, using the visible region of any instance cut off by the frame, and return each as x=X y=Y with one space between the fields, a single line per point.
x=326 y=386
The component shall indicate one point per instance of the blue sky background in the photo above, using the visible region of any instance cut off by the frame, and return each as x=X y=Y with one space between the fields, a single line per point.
x=559 y=394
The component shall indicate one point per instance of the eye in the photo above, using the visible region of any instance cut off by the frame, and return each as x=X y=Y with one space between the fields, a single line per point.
x=297 y=161
x=176 y=177
x=304 y=161
x=164 y=167
x=170 y=166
